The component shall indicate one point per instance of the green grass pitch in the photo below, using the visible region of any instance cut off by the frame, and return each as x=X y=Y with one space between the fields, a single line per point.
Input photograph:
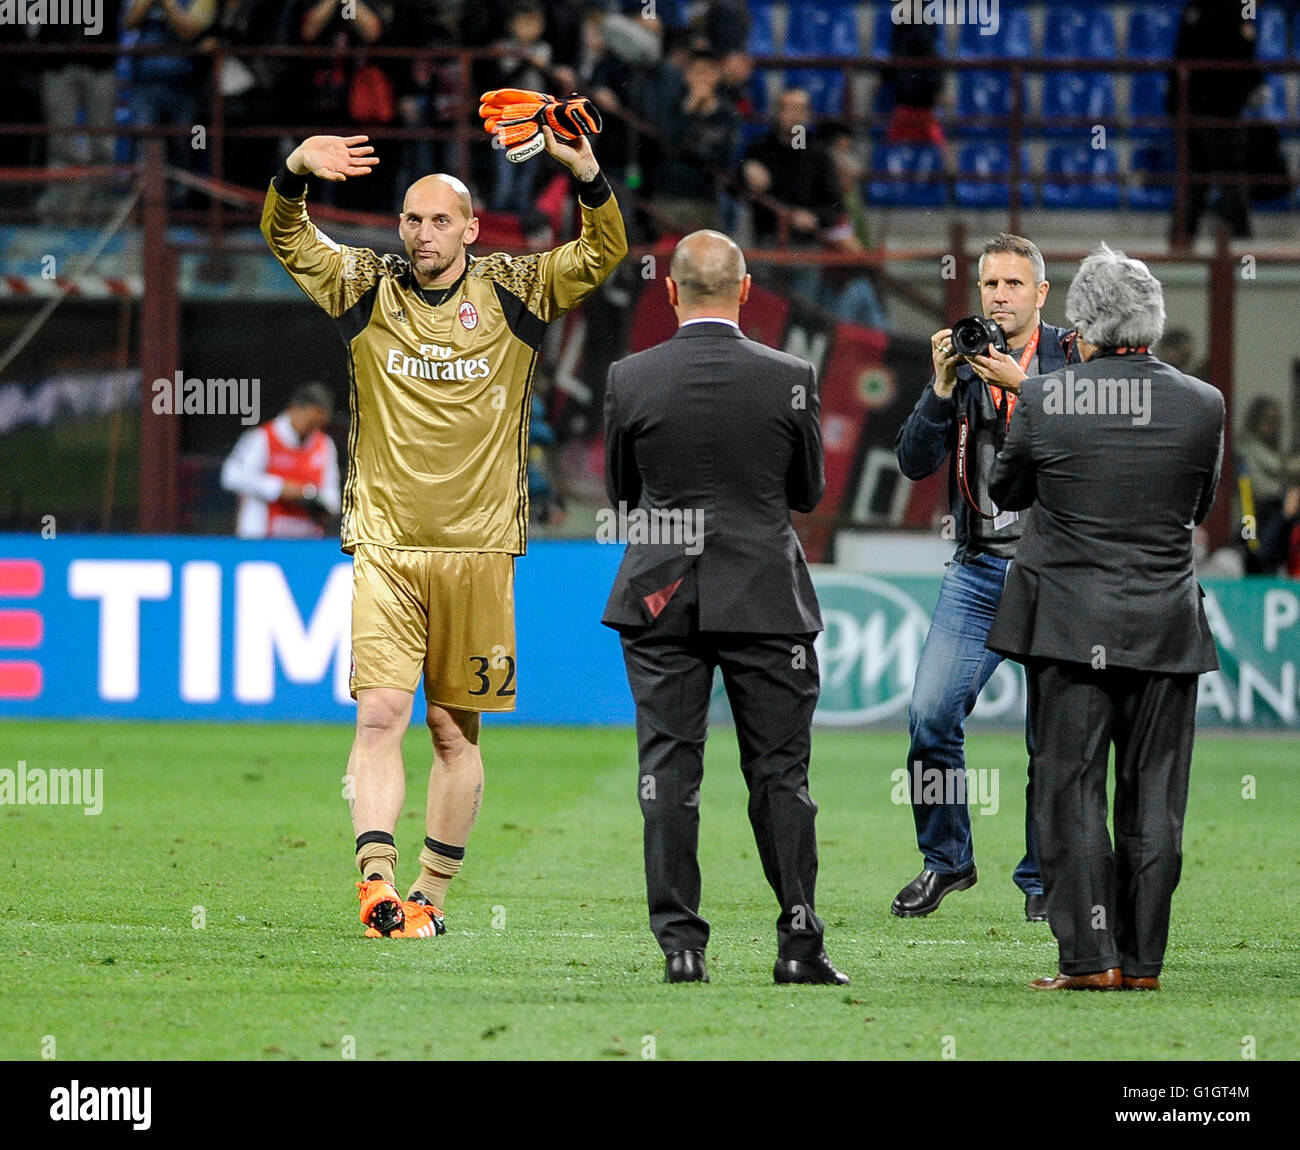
x=209 y=913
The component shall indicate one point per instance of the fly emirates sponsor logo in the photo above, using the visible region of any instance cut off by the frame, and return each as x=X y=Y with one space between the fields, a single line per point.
x=435 y=362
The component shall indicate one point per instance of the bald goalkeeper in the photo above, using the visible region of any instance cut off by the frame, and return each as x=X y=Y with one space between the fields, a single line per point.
x=441 y=350
x=715 y=438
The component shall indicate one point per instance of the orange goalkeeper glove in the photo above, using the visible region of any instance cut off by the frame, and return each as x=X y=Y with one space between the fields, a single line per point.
x=515 y=116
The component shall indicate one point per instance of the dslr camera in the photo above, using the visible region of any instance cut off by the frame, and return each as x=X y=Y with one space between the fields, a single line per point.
x=974 y=335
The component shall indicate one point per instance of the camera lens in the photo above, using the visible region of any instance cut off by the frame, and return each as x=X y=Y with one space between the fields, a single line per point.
x=969 y=337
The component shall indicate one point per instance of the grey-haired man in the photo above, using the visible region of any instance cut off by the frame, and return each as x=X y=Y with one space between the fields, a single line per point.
x=1120 y=457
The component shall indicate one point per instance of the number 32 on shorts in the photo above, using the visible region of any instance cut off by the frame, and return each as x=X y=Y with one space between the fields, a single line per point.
x=484 y=669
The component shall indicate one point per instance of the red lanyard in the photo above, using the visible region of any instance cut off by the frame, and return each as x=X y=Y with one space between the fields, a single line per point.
x=1026 y=357
x=963 y=428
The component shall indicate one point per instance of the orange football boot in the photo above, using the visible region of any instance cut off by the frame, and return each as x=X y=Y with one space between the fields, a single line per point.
x=423 y=920
x=381 y=907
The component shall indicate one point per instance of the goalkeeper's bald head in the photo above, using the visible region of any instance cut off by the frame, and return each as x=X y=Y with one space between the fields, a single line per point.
x=439 y=185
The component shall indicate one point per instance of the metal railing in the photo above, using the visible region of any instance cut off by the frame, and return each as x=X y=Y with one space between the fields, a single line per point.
x=463 y=131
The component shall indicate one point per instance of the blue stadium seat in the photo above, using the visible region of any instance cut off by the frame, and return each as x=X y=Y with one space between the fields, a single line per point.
x=1151 y=160
x=903 y=160
x=825 y=88
x=1271 y=41
x=822 y=29
x=1101 y=193
x=990 y=158
x=1275 y=105
x=1147 y=94
x=1087 y=94
x=882 y=28
x=1013 y=38
x=1073 y=31
x=1152 y=30
x=986 y=93
x=762 y=31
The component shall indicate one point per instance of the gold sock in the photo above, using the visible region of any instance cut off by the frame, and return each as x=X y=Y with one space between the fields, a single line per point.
x=439 y=864
x=376 y=854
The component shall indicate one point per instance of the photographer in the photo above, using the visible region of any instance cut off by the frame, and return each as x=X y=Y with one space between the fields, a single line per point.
x=963 y=414
x=286 y=472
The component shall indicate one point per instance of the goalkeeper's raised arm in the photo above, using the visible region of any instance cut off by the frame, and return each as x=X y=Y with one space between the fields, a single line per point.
x=437 y=240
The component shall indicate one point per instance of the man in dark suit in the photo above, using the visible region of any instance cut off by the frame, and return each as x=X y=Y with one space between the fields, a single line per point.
x=711 y=440
x=1120 y=457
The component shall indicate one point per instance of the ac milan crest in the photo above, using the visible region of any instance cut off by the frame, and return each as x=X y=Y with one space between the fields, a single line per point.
x=468 y=314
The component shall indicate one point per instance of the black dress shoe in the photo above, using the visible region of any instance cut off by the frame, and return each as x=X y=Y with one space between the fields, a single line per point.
x=817 y=971
x=1035 y=908
x=925 y=892
x=685 y=966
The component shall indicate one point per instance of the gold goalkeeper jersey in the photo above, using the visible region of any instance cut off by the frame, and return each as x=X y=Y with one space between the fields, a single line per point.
x=440 y=396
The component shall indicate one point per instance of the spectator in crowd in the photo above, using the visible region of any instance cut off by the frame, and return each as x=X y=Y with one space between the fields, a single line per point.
x=1280 y=541
x=77 y=90
x=606 y=77
x=723 y=25
x=737 y=72
x=160 y=89
x=545 y=504
x=1214 y=30
x=524 y=64
x=913 y=92
x=788 y=165
x=327 y=83
x=701 y=133
x=658 y=89
x=342 y=88
x=286 y=472
x=250 y=85
x=1178 y=350
x=427 y=90
x=564 y=20
x=1258 y=452
x=850 y=292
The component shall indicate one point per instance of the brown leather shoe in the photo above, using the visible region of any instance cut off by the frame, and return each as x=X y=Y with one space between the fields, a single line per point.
x=1149 y=983
x=1110 y=979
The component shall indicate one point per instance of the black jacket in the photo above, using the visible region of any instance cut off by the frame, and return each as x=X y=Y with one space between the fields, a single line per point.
x=718 y=425
x=1104 y=569
x=930 y=432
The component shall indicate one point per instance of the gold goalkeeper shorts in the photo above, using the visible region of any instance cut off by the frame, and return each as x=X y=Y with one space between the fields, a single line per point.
x=450 y=614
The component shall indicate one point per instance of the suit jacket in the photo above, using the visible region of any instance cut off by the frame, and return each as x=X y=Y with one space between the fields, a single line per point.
x=1122 y=456
x=721 y=427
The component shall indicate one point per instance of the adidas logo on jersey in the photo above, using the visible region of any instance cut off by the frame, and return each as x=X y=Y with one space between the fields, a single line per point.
x=398 y=315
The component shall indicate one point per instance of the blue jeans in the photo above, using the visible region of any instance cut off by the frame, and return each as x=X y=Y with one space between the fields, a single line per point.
x=953 y=669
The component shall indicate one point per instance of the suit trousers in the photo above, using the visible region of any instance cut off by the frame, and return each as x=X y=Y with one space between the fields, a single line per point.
x=772 y=684
x=1109 y=906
